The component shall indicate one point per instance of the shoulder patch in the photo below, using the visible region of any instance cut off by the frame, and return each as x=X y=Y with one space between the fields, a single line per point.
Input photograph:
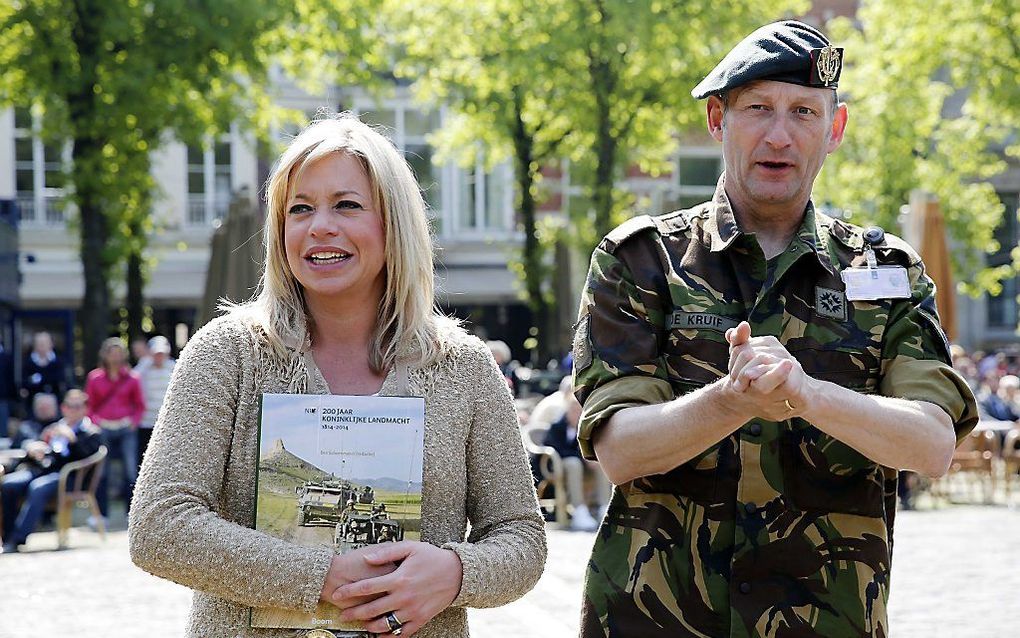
x=625 y=231
x=582 y=343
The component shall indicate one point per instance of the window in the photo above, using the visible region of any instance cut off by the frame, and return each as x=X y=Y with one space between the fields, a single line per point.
x=460 y=201
x=1003 y=309
x=419 y=156
x=39 y=173
x=483 y=204
x=697 y=175
x=407 y=128
x=698 y=171
x=209 y=182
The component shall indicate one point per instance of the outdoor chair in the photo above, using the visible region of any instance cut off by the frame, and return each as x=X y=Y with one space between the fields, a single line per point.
x=1011 y=461
x=551 y=482
x=78 y=483
x=975 y=459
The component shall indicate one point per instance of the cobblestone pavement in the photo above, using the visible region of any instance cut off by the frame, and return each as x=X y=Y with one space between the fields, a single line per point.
x=956 y=574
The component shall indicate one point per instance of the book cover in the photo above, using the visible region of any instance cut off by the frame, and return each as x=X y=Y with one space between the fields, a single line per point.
x=339 y=471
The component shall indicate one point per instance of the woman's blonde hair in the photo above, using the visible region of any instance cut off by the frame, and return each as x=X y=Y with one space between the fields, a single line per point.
x=407 y=319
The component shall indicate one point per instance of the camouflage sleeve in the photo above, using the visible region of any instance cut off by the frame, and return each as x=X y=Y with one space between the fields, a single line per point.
x=617 y=355
x=916 y=364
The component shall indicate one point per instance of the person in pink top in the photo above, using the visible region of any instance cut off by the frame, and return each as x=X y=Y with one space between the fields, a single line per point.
x=116 y=405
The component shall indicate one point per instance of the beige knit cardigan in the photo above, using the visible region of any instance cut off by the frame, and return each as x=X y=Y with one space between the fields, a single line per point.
x=193 y=507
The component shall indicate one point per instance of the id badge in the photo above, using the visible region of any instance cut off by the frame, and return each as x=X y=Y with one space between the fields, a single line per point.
x=870 y=284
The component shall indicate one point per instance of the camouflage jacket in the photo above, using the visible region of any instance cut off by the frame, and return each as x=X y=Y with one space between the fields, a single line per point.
x=779 y=529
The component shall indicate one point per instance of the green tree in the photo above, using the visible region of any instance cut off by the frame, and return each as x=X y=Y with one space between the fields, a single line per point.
x=114 y=78
x=931 y=104
x=497 y=77
x=632 y=66
x=604 y=82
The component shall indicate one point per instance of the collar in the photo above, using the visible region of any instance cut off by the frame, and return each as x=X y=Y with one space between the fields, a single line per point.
x=83 y=424
x=721 y=224
x=722 y=228
x=812 y=234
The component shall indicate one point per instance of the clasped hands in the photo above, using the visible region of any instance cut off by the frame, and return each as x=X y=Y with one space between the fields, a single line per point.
x=411 y=580
x=766 y=380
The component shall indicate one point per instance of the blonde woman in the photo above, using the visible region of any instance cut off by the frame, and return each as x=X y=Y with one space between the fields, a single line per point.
x=346 y=301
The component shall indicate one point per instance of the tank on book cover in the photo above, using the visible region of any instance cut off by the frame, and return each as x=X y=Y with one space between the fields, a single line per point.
x=320 y=503
x=360 y=527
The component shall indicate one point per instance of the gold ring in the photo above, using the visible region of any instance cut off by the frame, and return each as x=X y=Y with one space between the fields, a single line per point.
x=789 y=406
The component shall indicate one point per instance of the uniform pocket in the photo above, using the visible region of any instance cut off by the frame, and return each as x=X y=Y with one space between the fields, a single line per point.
x=695 y=361
x=821 y=473
x=853 y=368
x=700 y=478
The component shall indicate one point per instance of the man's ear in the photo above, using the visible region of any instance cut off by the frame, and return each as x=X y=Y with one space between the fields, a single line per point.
x=839 y=121
x=715 y=110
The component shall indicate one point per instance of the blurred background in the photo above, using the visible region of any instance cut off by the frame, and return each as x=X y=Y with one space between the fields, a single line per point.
x=136 y=136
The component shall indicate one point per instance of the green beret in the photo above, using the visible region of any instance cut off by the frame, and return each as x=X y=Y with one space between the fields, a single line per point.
x=788 y=51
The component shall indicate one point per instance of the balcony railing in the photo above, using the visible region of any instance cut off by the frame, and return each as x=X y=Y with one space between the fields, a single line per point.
x=52 y=213
x=202 y=212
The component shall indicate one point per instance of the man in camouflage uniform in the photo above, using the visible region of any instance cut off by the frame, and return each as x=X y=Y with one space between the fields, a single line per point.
x=753 y=373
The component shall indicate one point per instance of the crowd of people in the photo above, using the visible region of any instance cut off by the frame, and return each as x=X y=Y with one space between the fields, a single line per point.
x=55 y=424
x=995 y=379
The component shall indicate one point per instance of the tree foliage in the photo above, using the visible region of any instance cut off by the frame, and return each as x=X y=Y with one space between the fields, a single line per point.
x=932 y=104
x=632 y=66
x=605 y=83
x=497 y=75
x=115 y=78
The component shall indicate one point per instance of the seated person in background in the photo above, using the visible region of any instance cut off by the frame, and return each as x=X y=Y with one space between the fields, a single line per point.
x=46 y=411
x=1002 y=404
x=72 y=438
x=562 y=436
x=551 y=408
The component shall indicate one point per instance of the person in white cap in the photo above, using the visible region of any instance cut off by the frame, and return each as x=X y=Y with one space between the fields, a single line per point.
x=155 y=380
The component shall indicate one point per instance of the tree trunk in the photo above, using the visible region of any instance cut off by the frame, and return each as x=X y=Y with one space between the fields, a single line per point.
x=94 y=315
x=87 y=157
x=135 y=296
x=604 y=79
x=526 y=170
x=605 y=149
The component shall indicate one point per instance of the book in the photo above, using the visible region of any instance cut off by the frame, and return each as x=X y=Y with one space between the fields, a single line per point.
x=338 y=471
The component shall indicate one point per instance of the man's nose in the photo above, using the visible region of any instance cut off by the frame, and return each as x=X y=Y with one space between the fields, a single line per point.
x=778 y=134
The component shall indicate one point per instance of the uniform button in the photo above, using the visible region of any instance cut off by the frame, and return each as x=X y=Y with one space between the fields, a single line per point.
x=745 y=588
x=755 y=429
x=750 y=508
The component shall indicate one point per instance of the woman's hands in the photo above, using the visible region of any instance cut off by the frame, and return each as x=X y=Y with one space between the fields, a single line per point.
x=425 y=582
x=352 y=567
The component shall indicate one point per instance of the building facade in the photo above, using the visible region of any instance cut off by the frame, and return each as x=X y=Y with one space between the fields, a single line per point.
x=472 y=210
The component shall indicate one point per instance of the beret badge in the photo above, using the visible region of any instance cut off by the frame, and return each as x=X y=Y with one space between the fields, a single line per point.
x=826 y=64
